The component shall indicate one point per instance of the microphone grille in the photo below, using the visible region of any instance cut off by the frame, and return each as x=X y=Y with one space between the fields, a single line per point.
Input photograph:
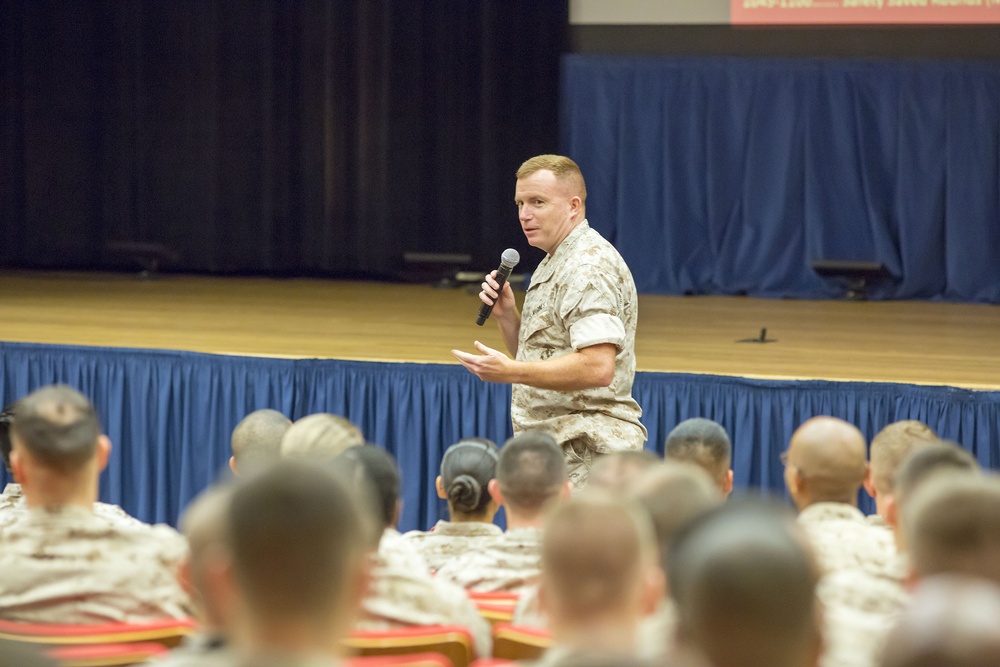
x=510 y=257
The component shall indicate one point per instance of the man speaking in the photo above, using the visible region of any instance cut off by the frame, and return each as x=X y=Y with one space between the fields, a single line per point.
x=574 y=344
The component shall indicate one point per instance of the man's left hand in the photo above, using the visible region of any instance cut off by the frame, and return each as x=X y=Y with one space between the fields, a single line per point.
x=490 y=366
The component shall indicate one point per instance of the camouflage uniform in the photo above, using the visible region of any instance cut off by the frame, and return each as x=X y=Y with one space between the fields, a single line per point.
x=510 y=563
x=449 y=539
x=581 y=295
x=403 y=594
x=13 y=507
x=877 y=521
x=862 y=584
x=68 y=565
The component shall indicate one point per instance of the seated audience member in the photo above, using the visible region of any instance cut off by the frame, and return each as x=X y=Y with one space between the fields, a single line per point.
x=531 y=477
x=951 y=622
x=952 y=526
x=887 y=451
x=204 y=523
x=467 y=468
x=403 y=592
x=600 y=577
x=62 y=562
x=12 y=505
x=298 y=544
x=862 y=585
x=671 y=495
x=616 y=471
x=921 y=465
x=256 y=441
x=320 y=438
x=824 y=470
x=744 y=581
x=706 y=444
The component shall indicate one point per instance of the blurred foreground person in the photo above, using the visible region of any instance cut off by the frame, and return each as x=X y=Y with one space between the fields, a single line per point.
x=744 y=581
x=600 y=577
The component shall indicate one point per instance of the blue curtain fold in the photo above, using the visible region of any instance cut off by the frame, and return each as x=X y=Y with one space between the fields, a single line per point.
x=729 y=176
x=169 y=414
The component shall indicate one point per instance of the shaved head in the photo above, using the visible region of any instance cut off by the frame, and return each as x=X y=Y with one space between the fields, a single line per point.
x=617 y=471
x=256 y=440
x=704 y=443
x=673 y=494
x=825 y=462
x=891 y=446
x=531 y=471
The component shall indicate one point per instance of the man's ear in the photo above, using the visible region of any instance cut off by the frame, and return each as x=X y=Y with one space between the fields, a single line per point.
x=566 y=492
x=891 y=510
x=654 y=590
x=17 y=466
x=232 y=465
x=440 y=488
x=495 y=493
x=103 y=451
x=397 y=513
x=868 y=483
x=727 y=483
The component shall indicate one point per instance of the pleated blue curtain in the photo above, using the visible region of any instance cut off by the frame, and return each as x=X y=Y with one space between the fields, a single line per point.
x=728 y=176
x=170 y=414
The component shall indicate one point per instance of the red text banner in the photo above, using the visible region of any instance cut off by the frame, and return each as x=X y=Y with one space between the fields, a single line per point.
x=844 y=12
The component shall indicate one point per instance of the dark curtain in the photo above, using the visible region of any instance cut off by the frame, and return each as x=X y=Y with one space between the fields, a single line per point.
x=728 y=176
x=274 y=137
x=170 y=414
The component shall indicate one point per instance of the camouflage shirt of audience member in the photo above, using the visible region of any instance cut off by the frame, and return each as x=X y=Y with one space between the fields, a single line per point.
x=68 y=565
x=509 y=563
x=13 y=507
x=403 y=593
x=859 y=609
x=843 y=540
x=449 y=539
x=877 y=521
x=581 y=295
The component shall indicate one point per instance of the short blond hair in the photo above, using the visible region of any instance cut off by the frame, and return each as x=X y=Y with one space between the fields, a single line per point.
x=563 y=167
x=891 y=446
x=320 y=437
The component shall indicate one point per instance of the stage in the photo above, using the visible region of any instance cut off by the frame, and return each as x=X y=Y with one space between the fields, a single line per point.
x=913 y=342
x=172 y=364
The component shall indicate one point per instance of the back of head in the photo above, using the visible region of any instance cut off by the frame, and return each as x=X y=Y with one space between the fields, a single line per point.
x=927 y=461
x=256 y=440
x=596 y=552
x=531 y=471
x=826 y=462
x=58 y=427
x=704 y=443
x=616 y=472
x=320 y=437
x=950 y=622
x=466 y=470
x=563 y=167
x=891 y=446
x=380 y=475
x=952 y=526
x=6 y=417
x=298 y=540
x=673 y=494
x=744 y=572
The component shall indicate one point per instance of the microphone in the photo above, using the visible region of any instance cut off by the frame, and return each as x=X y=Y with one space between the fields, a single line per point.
x=508 y=260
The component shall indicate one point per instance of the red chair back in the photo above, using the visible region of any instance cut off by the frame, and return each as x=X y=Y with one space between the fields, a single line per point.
x=452 y=641
x=168 y=632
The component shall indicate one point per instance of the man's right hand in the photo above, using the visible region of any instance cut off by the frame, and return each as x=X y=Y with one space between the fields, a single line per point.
x=505 y=304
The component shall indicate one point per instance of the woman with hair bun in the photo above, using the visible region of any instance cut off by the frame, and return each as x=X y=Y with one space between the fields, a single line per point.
x=466 y=470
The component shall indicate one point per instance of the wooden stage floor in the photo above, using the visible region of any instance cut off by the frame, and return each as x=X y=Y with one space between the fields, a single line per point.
x=913 y=342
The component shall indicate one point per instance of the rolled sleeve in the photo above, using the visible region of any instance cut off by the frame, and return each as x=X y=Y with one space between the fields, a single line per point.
x=597 y=329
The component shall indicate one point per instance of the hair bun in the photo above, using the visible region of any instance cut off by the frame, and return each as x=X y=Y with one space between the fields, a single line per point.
x=464 y=493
